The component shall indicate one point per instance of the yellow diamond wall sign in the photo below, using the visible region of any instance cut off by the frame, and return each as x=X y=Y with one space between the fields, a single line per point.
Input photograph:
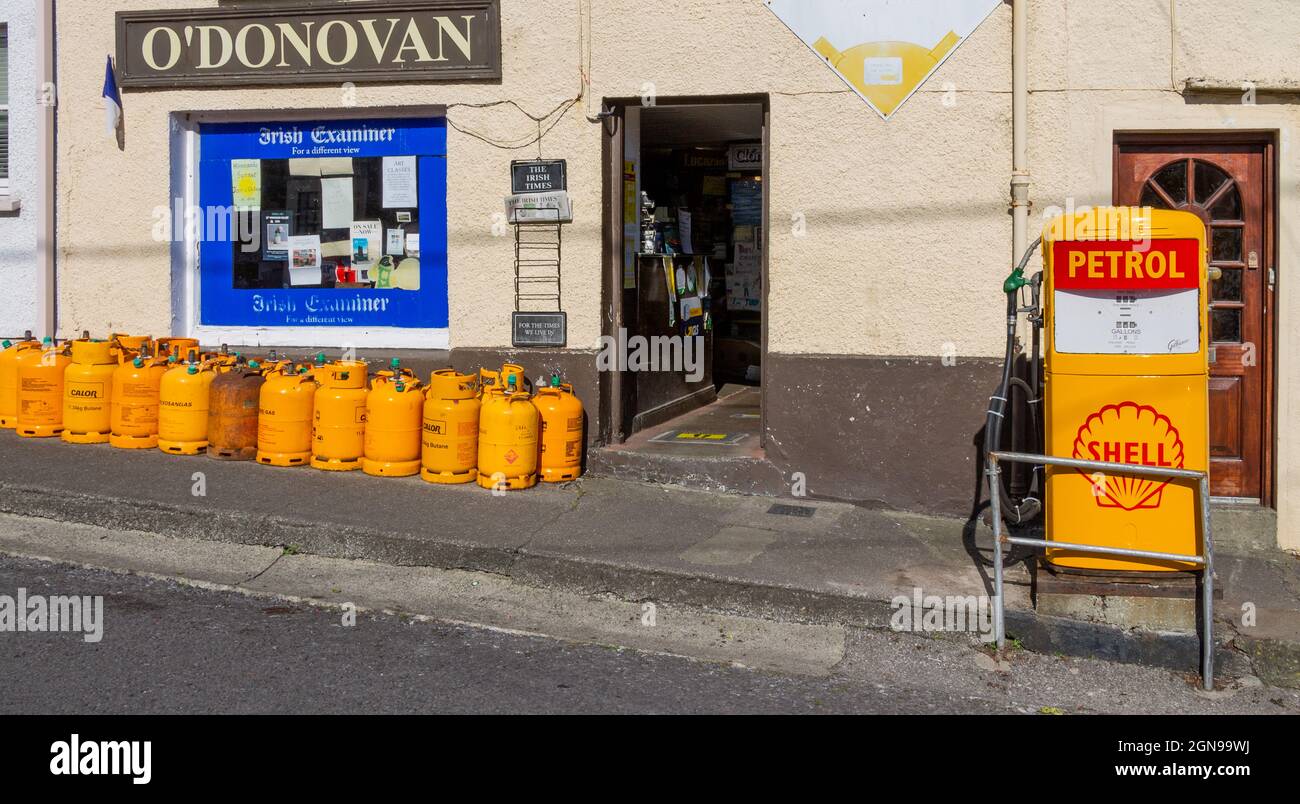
x=883 y=49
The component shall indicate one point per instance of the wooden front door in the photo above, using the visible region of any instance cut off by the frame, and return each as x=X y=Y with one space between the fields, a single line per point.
x=1227 y=182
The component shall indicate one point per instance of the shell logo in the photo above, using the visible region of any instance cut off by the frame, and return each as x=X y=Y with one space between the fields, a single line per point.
x=1127 y=432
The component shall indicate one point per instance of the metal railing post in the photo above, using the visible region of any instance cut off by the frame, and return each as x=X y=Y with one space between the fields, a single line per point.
x=994 y=473
x=1204 y=562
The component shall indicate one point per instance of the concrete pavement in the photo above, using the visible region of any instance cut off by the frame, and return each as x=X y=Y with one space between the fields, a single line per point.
x=828 y=563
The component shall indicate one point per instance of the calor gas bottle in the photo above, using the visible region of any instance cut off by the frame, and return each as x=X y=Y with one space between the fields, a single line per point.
x=507 y=438
x=449 y=441
x=394 y=412
x=183 y=395
x=88 y=391
x=137 y=382
x=560 y=412
x=339 y=415
x=284 y=421
x=40 y=391
x=11 y=354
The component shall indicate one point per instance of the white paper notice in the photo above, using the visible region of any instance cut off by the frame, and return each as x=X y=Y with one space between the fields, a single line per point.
x=365 y=247
x=304 y=260
x=396 y=244
x=399 y=182
x=684 y=230
x=413 y=244
x=336 y=203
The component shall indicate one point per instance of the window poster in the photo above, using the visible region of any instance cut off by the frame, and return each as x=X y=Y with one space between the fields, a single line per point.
x=275 y=245
x=304 y=260
x=353 y=223
x=246 y=183
x=399 y=182
x=366 y=239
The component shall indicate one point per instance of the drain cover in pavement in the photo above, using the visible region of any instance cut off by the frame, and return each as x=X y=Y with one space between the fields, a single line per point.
x=791 y=510
x=702 y=439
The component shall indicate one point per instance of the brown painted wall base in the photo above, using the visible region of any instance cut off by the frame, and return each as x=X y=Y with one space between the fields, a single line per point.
x=895 y=432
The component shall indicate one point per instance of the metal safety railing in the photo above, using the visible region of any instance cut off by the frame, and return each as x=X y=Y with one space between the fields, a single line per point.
x=1204 y=562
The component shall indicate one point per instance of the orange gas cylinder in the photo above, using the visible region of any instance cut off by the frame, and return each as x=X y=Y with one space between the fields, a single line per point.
x=394 y=412
x=88 y=392
x=126 y=347
x=137 y=383
x=9 y=360
x=40 y=391
x=176 y=346
x=449 y=445
x=489 y=379
x=561 y=424
x=284 y=420
x=232 y=412
x=339 y=415
x=507 y=438
x=183 y=397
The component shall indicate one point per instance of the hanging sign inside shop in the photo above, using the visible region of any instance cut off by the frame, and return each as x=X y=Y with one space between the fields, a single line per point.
x=746 y=156
x=538 y=329
x=404 y=40
x=883 y=49
x=538 y=176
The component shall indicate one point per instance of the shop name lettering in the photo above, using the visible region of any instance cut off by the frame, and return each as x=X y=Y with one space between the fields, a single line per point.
x=316 y=304
x=308 y=43
x=324 y=136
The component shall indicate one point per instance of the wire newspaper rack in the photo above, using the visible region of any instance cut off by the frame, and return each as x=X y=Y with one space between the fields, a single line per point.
x=1204 y=562
x=537 y=264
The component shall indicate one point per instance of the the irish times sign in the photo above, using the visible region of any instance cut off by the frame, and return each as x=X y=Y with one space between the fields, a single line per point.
x=416 y=40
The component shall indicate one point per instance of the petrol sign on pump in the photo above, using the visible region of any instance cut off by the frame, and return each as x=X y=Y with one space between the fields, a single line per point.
x=1126 y=380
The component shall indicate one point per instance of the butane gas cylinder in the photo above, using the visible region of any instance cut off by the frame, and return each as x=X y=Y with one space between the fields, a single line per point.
x=339 y=415
x=449 y=444
x=126 y=347
x=561 y=423
x=137 y=383
x=489 y=380
x=88 y=392
x=10 y=353
x=176 y=346
x=183 y=396
x=40 y=391
x=284 y=419
x=394 y=412
x=232 y=412
x=507 y=438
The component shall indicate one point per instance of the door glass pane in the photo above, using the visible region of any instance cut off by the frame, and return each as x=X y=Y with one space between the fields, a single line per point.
x=1208 y=179
x=1173 y=178
x=1225 y=244
x=1150 y=198
x=1227 y=287
x=1225 y=325
x=1228 y=207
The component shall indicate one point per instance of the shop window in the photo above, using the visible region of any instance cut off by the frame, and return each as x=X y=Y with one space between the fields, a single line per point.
x=324 y=223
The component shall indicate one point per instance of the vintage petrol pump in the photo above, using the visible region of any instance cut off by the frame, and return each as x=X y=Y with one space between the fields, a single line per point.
x=1125 y=381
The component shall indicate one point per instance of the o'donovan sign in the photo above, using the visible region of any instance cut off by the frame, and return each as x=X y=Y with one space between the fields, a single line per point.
x=404 y=40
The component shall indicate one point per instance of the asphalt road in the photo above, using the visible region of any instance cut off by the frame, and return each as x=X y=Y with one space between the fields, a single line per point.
x=173 y=648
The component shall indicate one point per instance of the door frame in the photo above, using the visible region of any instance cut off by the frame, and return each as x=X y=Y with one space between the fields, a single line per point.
x=1268 y=363
x=613 y=390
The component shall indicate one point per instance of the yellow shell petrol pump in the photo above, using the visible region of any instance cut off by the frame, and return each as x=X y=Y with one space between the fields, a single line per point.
x=1126 y=381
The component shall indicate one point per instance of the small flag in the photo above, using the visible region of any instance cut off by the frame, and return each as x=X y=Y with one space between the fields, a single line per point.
x=112 y=101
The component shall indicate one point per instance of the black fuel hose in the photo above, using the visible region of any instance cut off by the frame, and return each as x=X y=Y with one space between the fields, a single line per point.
x=1013 y=512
